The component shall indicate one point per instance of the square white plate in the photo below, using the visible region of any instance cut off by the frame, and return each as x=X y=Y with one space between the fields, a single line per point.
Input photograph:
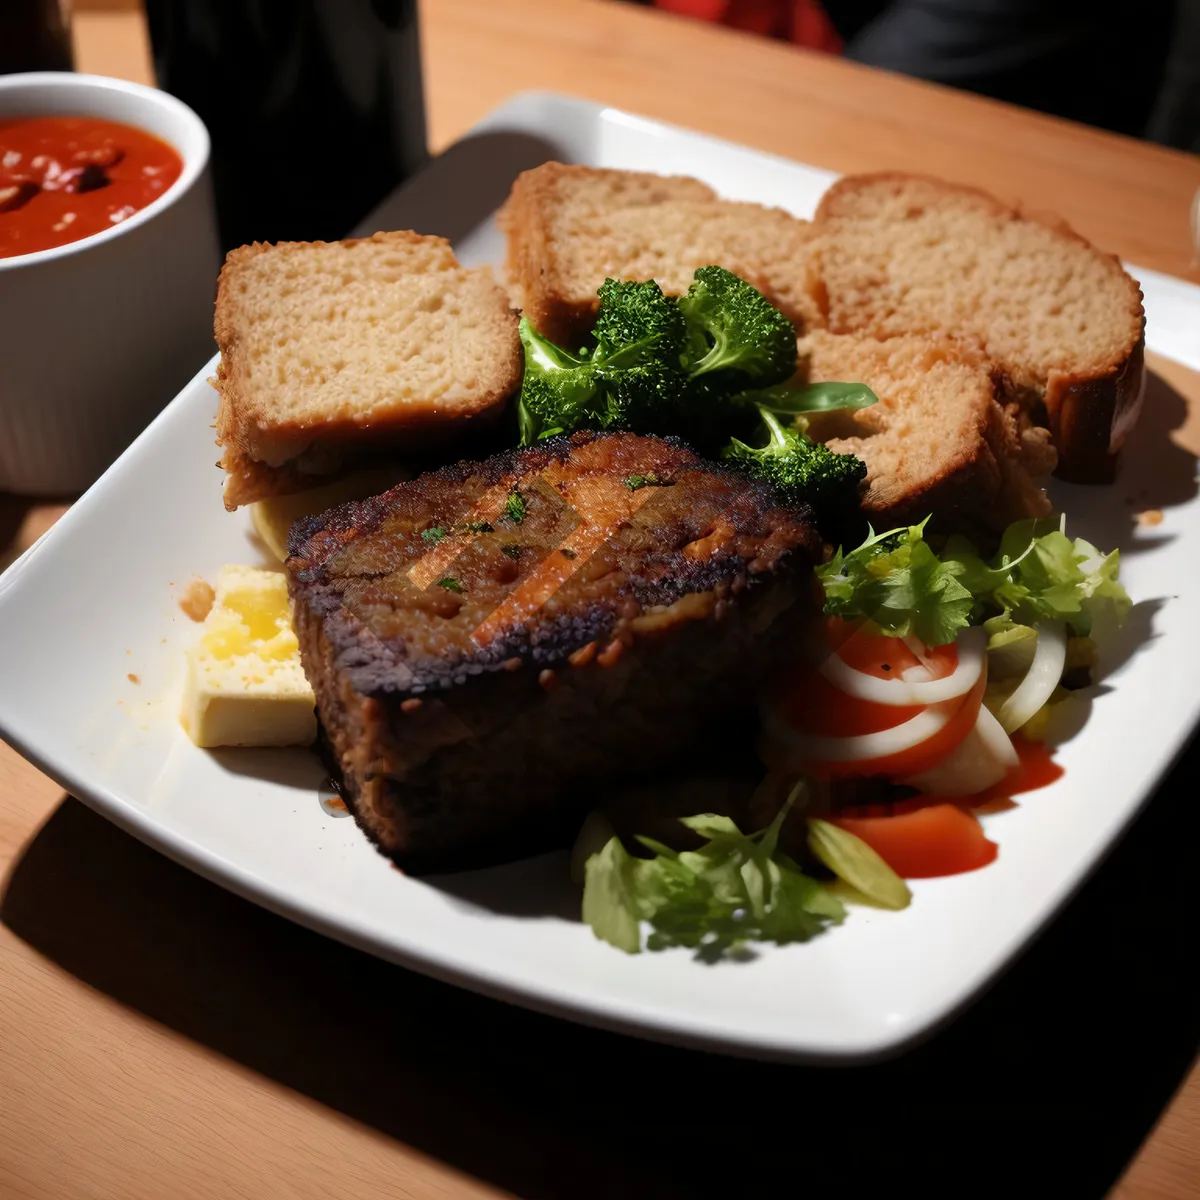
x=92 y=640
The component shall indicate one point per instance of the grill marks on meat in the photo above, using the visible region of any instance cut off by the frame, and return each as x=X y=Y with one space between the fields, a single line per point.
x=481 y=662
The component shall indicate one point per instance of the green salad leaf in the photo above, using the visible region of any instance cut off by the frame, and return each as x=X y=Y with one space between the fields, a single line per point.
x=788 y=400
x=897 y=580
x=735 y=889
x=612 y=896
x=1056 y=579
x=854 y=862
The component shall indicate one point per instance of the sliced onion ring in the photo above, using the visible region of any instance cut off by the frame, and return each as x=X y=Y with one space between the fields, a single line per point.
x=1042 y=678
x=982 y=759
x=862 y=747
x=901 y=692
x=993 y=734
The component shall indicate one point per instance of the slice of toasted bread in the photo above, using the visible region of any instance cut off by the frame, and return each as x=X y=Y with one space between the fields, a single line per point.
x=330 y=349
x=1061 y=321
x=571 y=227
x=938 y=442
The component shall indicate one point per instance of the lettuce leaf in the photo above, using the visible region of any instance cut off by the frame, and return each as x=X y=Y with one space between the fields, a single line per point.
x=854 y=862
x=735 y=889
x=1038 y=574
x=612 y=903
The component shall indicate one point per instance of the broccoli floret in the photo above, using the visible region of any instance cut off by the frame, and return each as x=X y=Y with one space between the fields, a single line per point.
x=634 y=371
x=701 y=367
x=559 y=391
x=733 y=329
x=637 y=325
x=798 y=468
x=640 y=336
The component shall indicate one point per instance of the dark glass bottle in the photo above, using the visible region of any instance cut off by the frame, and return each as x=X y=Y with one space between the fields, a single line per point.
x=315 y=107
x=34 y=36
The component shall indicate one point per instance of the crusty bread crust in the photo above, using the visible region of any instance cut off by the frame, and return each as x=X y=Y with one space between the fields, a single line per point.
x=1089 y=414
x=938 y=442
x=772 y=249
x=1090 y=417
x=979 y=492
x=340 y=450
x=533 y=268
x=268 y=452
x=248 y=480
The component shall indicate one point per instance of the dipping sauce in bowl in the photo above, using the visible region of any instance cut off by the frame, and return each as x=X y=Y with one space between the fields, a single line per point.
x=65 y=178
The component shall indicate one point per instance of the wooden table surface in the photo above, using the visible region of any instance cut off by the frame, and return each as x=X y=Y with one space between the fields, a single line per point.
x=160 y=1038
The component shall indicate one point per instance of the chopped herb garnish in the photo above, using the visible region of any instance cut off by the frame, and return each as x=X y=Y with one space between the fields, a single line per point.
x=434 y=533
x=566 y=553
x=511 y=551
x=478 y=527
x=640 y=481
x=514 y=507
x=451 y=584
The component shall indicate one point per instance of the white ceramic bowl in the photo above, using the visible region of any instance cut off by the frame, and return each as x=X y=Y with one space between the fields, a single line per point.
x=96 y=336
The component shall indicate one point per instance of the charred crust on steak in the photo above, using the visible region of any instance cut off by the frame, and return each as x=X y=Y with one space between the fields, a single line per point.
x=389 y=642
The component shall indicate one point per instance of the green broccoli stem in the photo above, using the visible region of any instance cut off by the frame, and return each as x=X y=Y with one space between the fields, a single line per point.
x=716 y=358
x=542 y=353
x=779 y=441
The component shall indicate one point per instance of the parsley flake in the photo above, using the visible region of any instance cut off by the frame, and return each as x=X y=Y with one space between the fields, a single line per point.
x=634 y=482
x=514 y=507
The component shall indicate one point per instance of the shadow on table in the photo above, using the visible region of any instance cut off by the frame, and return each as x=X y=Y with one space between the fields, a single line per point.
x=1074 y=1053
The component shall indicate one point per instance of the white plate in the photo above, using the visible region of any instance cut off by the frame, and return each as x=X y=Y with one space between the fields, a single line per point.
x=95 y=603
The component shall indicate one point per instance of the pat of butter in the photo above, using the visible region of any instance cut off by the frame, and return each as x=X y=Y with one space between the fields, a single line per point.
x=245 y=685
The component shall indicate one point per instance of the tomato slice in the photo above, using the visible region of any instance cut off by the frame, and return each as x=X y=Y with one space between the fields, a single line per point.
x=960 y=720
x=925 y=842
x=882 y=656
x=812 y=704
x=921 y=757
x=804 y=707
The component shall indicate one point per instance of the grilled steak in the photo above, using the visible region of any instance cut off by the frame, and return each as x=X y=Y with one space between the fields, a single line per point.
x=491 y=642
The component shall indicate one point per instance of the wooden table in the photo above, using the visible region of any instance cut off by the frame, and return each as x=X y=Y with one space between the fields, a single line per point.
x=161 y=1039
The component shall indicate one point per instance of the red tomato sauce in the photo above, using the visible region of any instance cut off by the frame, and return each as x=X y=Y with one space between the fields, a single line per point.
x=923 y=837
x=1037 y=769
x=66 y=178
